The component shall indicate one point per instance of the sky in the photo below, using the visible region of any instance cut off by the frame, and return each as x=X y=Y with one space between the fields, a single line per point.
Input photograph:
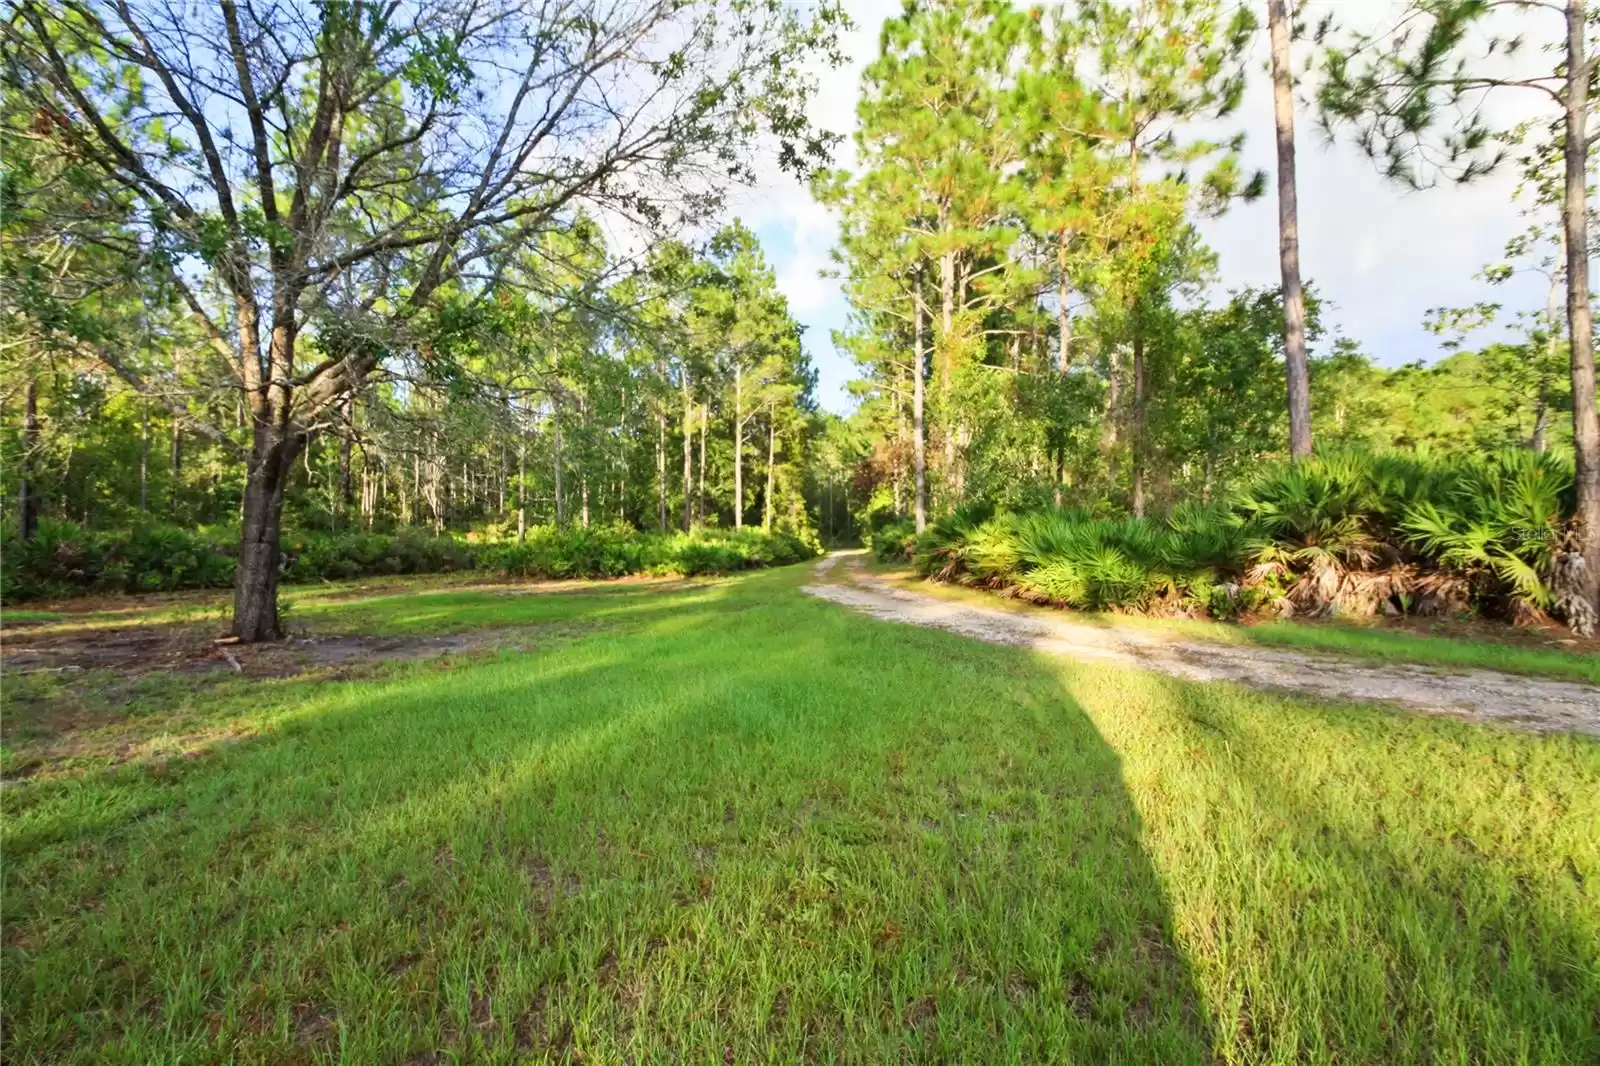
x=1382 y=255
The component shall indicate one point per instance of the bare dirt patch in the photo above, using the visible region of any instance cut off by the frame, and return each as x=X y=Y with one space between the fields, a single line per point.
x=194 y=649
x=1529 y=703
x=76 y=699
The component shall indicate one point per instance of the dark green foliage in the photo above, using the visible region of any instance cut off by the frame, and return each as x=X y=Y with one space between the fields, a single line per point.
x=1070 y=557
x=894 y=542
x=1349 y=532
x=616 y=550
x=549 y=552
x=333 y=556
x=1497 y=524
x=1315 y=514
x=66 y=559
x=941 y=548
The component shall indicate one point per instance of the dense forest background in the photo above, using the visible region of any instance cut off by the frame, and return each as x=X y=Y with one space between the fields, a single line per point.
x=292 y=284
x=584 y=405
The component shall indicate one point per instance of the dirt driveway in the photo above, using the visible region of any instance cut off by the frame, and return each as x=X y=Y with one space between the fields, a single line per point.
x=1526 y=702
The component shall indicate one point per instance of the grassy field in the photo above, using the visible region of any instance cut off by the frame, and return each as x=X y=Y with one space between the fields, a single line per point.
x=1482 y=646
x=725 y=822
x=12 y=616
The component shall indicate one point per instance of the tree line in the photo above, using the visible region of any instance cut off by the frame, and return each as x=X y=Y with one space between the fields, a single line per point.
x=1032 y=301
x=351 y=265
x=356 y=254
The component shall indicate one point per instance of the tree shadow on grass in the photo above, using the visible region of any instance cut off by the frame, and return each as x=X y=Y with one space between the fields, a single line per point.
x=759 y=828
x=1366 y=885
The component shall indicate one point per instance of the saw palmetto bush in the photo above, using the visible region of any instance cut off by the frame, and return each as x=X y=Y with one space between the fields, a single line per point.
x=1495 y=524
x=1071 y=558
x=1345 y=533
x=941 y=548
x=1313 y=531
x=893 y=542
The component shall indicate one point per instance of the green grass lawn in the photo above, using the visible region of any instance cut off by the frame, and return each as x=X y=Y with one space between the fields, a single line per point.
x=726 y=822
x=13 y=616
x=1371 y=642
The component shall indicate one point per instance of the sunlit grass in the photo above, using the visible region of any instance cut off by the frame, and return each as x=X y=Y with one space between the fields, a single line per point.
x=733 y=823
x=14 y=616
x=386 y=605
x=512 y=605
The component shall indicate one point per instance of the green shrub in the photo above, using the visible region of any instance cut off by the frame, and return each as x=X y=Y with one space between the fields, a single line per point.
x=61 y=559
x=993 y=552
x=1344 y=532
x=893 y=542
x=313 y=556
x=940 y=548
x=697 y=557
x=616 y=550
x=65 y=560
x=1315 y=513
x=1496 y=524
x=1059 y=582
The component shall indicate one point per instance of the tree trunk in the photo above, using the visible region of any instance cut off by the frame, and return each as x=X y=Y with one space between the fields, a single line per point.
x=347 y=444
x=1108 y=430
x=947 y=306
x=1064 y=351
x=772 y=458
x=919 y=447
x=738 y=447
x=436 y=487
x=945 y=356
x=899 y=464
x=583 y=462
x=28 y=487
x=1580 y=324
x=616 y=463
x=414 y=501
x=144 y=457
x=622 y=460
x=561 y=502
x=1294 y=299
x=1136 y=423
x=522 y=487
x=661 y=465
x=255 y=584
x=176 y=462
x=705 y=419
x=1541 y=401
x=688 y=456
x=1063 y=322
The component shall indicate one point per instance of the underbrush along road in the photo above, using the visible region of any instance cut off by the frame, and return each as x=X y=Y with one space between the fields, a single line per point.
x=1538 y=704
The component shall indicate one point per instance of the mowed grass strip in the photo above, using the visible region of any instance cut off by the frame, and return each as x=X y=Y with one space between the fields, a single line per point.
x=751 y=826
